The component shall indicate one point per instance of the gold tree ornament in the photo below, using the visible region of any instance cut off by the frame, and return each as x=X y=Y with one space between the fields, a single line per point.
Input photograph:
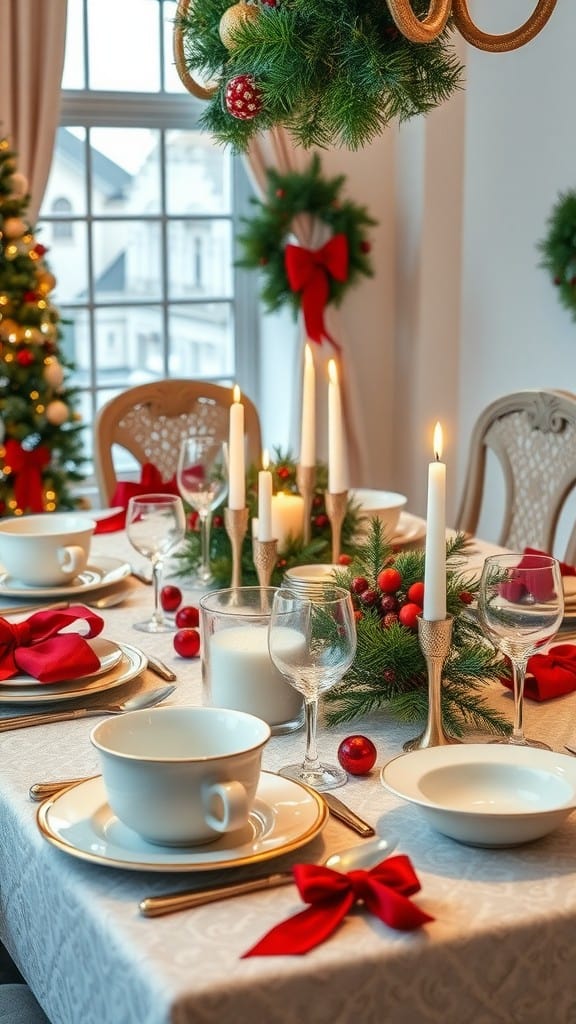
x=231 y=20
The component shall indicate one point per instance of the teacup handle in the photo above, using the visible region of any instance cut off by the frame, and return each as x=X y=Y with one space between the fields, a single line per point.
x=230 y=799
x=71 y=558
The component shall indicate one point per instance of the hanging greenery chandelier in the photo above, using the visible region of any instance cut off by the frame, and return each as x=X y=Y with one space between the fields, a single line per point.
x=332 y=72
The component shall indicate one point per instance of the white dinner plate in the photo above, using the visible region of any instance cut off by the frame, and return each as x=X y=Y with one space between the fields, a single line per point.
x=130 y=664
x=285 y=816
x=101 y=572
x=107 y=651
x=409 y=530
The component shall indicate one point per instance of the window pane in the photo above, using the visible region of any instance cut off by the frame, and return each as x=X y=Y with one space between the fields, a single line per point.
x=67 y=177
x=74 y=71
x=67 y=258
x=127 y=260
x=124 y=48
x=201 y=340
x=200 y=258
x=119 y=158
x=129 y=345
x=198 y=175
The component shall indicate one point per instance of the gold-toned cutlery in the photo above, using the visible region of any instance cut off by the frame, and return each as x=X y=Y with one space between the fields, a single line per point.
x=361 y=856
x=141 y=700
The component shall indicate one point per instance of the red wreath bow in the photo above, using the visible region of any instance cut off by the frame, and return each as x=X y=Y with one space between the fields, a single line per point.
x=27 y=467
x=37 y=646
x=308 y=271
x=384 y=890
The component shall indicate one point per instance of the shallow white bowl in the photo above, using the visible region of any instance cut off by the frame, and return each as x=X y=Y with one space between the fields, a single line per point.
x=383 y=505
x=486 y=794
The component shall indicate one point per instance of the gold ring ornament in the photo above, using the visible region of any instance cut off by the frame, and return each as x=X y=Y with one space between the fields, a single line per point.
x=510 y=40
x=200 y=91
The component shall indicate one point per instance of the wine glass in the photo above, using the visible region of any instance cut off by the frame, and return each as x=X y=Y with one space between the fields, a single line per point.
x=203 y=482
x=312 y=643
x=521 y=604
x=155 y=524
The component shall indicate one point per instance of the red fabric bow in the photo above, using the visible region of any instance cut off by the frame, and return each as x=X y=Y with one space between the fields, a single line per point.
x=27 y=468
x=150 y=482
x=565 y=569
x=308 y=272
x=540 y=584
x=384 y=890
x=550 y=675
x=37 y=648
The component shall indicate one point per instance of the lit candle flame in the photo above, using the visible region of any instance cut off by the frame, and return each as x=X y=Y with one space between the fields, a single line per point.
x=438 y=442
x=265 y=459
x=236 y=393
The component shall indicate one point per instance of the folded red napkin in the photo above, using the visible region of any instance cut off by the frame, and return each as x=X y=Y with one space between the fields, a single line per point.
x=38 y=646
x=540 y=584
x=550 y=675
x=150 y=482
x=384 y=890
x=565 y=569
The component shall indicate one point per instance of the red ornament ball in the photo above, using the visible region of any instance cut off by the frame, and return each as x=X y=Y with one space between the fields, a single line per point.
x=170 y=598
x=187 y=643
x=389 y=580
x=416 y=593
x=408 y=615
x=321 y=521
x=243 y=98
x=24 y=357
x=357 y=755
x=187 y=617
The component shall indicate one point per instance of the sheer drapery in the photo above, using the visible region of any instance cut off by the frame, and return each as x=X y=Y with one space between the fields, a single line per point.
x=274 y=149
x=32 y=43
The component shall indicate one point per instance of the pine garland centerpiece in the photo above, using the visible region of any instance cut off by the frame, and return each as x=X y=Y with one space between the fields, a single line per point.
x=389 y=671
x=331 y=73
x=558 y=250
x=293 y=275
x=317 y=551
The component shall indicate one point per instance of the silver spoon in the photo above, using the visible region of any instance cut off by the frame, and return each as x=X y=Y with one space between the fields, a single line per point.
x=362 y=855
x=141 y=700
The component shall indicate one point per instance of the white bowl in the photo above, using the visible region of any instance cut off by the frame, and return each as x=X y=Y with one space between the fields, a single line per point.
x=486 y=794
x=383 y=505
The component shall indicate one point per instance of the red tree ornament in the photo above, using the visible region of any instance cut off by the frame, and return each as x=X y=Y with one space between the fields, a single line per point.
x=243 y=98
x=24 y=357
x=357 y=755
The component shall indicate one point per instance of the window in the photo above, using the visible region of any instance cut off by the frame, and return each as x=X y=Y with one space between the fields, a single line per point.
x=141 y=211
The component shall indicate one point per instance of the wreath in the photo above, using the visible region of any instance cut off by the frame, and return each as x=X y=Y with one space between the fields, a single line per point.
x=293 y=275
x=558 y=250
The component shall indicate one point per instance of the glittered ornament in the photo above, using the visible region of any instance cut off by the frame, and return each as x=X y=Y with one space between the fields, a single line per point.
x=357 y=755
x=230 y=21
x=243 y=98
x=57 y=412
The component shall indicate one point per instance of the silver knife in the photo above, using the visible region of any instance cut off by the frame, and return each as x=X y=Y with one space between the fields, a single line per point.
x=155 y=906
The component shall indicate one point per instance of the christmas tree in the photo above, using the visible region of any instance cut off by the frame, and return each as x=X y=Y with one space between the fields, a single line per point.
x=40 y=442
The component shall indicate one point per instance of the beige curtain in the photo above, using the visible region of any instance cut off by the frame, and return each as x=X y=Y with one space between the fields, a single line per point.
x=32 y=41
x=274 y=149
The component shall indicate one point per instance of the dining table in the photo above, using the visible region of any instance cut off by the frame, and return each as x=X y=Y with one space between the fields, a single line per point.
x=499 y=947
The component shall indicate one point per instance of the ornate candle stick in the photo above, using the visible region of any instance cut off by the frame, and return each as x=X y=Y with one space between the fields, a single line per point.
x=435 y=637
x=306 y=480
x=264 y=557
x=236 y=523
x=336 y=505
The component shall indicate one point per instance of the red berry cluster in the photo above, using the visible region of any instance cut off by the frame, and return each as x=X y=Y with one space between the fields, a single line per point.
x=389 y=597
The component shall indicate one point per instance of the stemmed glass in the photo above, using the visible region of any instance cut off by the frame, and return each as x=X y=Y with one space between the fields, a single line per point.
x=203 y=483
x=521 y=604
x=312 y=643
x=155 y=524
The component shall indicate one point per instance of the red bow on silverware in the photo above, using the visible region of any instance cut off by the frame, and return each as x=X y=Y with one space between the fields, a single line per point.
x=38 y=648
x=550 y=675
x=27 y=467
x=309 y=272
x=384 y=890
x=150 y=482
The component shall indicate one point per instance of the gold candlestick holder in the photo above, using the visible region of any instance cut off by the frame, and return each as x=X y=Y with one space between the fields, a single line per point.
x=236 y=523
x=336 y=505
x=435 y=637
x=264 y=557
x=306 y=481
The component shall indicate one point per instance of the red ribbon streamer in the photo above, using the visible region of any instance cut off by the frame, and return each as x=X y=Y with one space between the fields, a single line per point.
x=309 y=272
x=27 y=469
x=150 y=482
x=384 y=890
x=38 y=648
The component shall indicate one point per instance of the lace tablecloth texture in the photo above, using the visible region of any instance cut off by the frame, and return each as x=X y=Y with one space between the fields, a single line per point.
x=500 y=948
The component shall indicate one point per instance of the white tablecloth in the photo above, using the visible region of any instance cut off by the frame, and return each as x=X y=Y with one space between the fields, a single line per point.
x=500 y=948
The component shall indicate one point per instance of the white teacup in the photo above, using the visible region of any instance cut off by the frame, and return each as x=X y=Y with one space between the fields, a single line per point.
x=45 y=550
x=181 y=776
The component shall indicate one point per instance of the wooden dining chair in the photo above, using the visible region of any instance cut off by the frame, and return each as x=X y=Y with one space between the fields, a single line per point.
x=150 y=420
x=532 y=433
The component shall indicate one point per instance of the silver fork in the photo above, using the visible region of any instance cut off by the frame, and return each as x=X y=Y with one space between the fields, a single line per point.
x=141 y=700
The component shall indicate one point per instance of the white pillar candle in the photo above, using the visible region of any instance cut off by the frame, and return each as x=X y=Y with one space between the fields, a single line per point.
x=435 y=564
x=336 y=472
x=265 y=500
x=236 y=472
x=287 y=518
x=308 y=432
x=243 y=677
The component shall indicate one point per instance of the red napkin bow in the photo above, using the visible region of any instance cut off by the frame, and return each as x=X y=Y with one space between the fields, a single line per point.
x=38 y=648
x=150 y=482
x=550 y=675
x=384 y=890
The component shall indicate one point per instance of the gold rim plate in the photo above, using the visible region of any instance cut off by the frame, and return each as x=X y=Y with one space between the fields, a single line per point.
x=101 y=572
x=129 y=665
